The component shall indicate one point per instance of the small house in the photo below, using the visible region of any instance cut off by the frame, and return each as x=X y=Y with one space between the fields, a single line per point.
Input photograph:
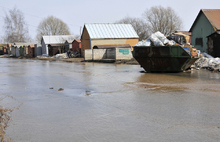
x=205 y=30
x=54 y=44
x=68 y=45
x=76 y=46
x=94 y=35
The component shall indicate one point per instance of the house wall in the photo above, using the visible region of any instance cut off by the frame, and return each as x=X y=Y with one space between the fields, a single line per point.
x=13 y=51
x=201 y=29
x=37 y=50
x=76 y=46
x=21 y=51
x=88 y=54
x=111 y=53
x=17 y=51
x=26 y=51
x=85 y=41
x=131 y=42
x=70 y=46
x=123 y=54
x=44 y=48
x=99 y=54
x=31 y=51
x=214 y=45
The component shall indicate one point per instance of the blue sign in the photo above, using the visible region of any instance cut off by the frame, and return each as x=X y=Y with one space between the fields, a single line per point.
x=124 y=51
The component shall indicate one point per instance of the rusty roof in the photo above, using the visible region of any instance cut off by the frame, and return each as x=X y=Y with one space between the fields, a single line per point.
x=77 y=40
x=212 y=15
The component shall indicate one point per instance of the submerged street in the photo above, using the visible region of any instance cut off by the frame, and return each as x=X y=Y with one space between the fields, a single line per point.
x=60 y=101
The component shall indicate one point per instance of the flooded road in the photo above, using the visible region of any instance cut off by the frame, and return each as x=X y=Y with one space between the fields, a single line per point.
x=107 y=102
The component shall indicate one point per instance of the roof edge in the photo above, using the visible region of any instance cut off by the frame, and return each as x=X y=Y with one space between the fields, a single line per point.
x=190 y=30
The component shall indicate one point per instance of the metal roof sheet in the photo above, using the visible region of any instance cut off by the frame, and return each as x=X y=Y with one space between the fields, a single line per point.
x=213 y=16
x=57 y=39
x=100 y=31
x=77 y=40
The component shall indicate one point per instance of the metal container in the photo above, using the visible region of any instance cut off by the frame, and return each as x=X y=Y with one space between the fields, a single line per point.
x=162 y=58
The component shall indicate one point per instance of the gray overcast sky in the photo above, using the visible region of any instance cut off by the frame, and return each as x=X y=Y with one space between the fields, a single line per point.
x=77 y=12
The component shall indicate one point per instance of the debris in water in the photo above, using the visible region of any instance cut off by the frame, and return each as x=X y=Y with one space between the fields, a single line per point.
x=51 y=87
x=61 y=89
x=88 y=93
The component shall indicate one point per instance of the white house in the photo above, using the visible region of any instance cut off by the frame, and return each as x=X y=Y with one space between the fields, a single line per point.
x=54 y=44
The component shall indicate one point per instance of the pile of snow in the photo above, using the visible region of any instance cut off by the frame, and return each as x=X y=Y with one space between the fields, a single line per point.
x=61 y=56
x=208 y=62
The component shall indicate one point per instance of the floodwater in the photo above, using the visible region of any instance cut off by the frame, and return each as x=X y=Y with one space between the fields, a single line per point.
x=107 y=102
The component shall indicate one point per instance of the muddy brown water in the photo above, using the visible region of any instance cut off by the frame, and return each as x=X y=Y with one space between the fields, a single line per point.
x=59 y=101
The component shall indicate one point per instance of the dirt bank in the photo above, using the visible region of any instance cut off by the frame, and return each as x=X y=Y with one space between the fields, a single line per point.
x=4 y=120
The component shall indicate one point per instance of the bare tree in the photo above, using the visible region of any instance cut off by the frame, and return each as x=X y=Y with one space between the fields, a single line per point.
x=139 y=26
x=16 y=30
x=52 y=26
x=162 y=19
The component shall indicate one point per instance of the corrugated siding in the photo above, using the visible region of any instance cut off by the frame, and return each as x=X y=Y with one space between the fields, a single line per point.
x=100 y=31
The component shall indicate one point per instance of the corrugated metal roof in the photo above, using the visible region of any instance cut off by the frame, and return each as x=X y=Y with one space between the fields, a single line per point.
x=213 y=16
x=100 y=31
x=57 y=39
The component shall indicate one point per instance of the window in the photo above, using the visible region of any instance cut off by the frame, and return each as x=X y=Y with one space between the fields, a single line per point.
x=199 y=41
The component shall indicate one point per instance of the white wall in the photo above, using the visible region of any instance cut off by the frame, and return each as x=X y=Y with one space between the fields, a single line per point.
x=123 y=54
x=88 y=54
x=101 y=54
x=44 y=48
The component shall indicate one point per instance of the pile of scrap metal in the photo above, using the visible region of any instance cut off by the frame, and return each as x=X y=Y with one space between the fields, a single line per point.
x=207 y=62
x=72 y=54
x=159 y=39
x=156 y=39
